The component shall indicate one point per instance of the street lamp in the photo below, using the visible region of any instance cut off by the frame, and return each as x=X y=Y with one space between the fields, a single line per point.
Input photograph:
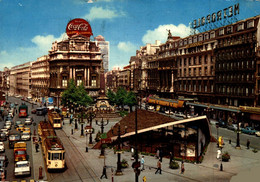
x=118 y=170
x=102 y=124
x=90 y=116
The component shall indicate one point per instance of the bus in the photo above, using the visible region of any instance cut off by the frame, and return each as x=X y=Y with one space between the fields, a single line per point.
x=41 y=111
x=23 y=110
x=52 y=147
x=55 y=120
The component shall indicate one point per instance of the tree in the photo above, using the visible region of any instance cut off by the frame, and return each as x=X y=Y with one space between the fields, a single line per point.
x=69 y=96
x=130 y=99
x=120 y=97
x=75 y=96
x=111 y=96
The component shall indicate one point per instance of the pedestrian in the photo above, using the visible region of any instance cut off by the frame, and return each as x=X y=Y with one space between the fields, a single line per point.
x=142 y=163
x=159 y=167
x=171 y=157
x=182 y=167
x=157 y=153
x=218 y=153
x=247 y=143
x=36 y=146
x=104 y=173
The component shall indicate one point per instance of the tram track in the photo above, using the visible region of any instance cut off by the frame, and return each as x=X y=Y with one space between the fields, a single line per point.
x=77 y=167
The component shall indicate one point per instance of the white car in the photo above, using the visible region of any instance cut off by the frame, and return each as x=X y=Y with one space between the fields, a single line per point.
x=26 y=136
x=2 y=147
x=4 y=130
x=22 y=168
x=7 y=126
x=257 y=133
x=28 y=121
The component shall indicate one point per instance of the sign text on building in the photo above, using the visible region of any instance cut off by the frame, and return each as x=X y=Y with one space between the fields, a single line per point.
x=211 y=18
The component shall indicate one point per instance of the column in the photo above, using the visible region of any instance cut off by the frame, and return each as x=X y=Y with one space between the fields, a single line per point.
x=71 y=73
x=85 y=76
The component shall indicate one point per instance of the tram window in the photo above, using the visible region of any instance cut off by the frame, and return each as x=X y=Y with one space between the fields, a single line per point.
x=56 y=156
x=49 y=156
x=63 y=156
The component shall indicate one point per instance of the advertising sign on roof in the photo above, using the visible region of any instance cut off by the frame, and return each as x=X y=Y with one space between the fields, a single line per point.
x=78 y=26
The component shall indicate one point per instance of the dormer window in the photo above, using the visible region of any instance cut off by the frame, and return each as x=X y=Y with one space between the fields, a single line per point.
x=240 y=27
x=230 y=29
x=221 y=31
x=250 y=24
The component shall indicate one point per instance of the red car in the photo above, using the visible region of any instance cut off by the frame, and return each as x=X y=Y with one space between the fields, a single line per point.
x=33 y=111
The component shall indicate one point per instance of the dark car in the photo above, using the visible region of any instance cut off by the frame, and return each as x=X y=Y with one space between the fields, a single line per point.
x=3 y=173
x=221 y=123
x=3 y=136
x=33 y=111
x=3 y=161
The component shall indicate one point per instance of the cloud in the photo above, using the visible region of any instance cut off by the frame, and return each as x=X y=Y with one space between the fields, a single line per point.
x=161 y=33
x=100 y=13
x=41 y=46
x=126 y=47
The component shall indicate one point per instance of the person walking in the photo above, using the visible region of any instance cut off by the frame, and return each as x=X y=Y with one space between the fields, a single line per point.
x=171 y=157
x=36 y=147
x=142 y=163
x=218 y=153
x=159 y=167
x=104 y=173
x=247 y=143
x=182 y=167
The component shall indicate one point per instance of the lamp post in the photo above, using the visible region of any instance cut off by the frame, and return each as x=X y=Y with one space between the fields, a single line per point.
x=90 y=116
x=102 y=124
x=136 y=150
x=118 y=170
x=82 y=122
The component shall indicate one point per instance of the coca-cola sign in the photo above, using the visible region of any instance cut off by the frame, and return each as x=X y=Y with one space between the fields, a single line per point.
x=79 y=26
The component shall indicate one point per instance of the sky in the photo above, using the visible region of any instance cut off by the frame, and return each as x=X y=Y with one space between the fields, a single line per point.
x=28 y=27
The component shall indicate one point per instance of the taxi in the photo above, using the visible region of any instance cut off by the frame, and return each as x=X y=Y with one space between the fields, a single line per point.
x=20 y=127
x=27 y=130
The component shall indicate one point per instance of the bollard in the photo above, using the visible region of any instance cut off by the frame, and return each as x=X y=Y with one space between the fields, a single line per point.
x=221 y=167
x=71 y=131
x=229 y=141
x=86 y=149
x=40 y=172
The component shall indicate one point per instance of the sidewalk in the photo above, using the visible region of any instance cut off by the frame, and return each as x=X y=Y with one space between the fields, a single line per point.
x=209 y=170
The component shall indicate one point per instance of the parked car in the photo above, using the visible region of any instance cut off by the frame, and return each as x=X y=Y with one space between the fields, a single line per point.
x=257 y=133
x=33 y=111
x=221 y=123
x=5 y=131
x=3 y=136
x=2 y=147
x=3 y=173
x=248 y=130
x=22 y=168
x=232 y=127
x=3 y=161
x=8 y=126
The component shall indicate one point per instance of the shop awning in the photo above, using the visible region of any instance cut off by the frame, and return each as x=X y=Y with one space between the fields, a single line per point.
x=232 y=109
x=196 y=104
x=254 y=110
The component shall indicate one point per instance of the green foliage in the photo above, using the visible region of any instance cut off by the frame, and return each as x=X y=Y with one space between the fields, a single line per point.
x=98 y=136
x=130 y=99
x=120 y=96
x=75 y=95
x=123 y=113
x=225 y=156
x=124 y=163
x=174 y=165
x=112 y=97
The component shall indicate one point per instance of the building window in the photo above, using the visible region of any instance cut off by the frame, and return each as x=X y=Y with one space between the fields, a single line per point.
x=250 y=24
x=206 y=36
x=93 y=81
x=200 y=38
x=195 y=39
x=185 y=41
x=206 y=71
x=190 y=40
x=64 y=81
x=240 y=27
x=212 y=34
x=229 y=29
x=221 y=31
x=79 y=80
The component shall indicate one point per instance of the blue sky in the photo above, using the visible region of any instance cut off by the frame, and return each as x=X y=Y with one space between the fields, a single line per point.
x=28 y=27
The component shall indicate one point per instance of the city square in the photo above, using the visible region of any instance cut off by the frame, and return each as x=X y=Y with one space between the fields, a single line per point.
x=93 y=103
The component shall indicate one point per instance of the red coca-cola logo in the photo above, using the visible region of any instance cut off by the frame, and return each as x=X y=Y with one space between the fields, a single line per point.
x=78 y=26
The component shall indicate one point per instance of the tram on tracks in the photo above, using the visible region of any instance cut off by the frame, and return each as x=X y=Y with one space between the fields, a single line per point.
x=52 y=147
x=55 y=119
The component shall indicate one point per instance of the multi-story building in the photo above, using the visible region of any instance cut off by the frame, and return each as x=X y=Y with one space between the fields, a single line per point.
x=111 y=78
x=76 y=58
x=124 y=78
x=40 y=77
x=20 y=80
x=104 y=48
